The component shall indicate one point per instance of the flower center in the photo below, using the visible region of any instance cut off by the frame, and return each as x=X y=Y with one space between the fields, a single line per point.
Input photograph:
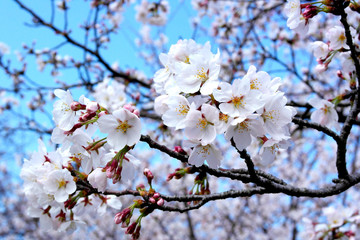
x=204 y=151
x=202 y=123
x=202 y=75
x=255 y=84
x=238 y=101
x=342 y=38
x=223 y=117
x=182 y=109
x=62 y=183
x=123 y=126
x=270 y=115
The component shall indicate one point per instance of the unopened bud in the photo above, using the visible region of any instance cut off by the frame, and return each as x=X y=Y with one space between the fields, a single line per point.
x=160 y=202
x=76 y=106
x=136 y=112
x=76 y=126
x=179 y=149
x=102 y=114
x=310 y=11
x=148 y=174
x=140 y=186
x=152 y=200
x=117 y=218
x=129 y=107
x=92 y=107
x=340 y=75
x=131 y=228
x=156 y=195
x=87 y=116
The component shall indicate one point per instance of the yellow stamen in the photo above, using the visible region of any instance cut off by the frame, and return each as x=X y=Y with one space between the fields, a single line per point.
x=123 y=126
x=62 y=183
x=238 y=101
x=182 y=109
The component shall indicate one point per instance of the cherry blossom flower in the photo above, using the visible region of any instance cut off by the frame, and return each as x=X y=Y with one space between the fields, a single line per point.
x=337 y=38
x=201 y=125
x=276 y=115
x=61 y=184
x=261 y=81
x=320 y=49
x=237 y=100
x=200 y=154
x=201 y=73
x=64 y=117
x=98 y=179
x=241 y=132
x=175 y=116
x=325 y=113
x=123 y=128
x=293 y=12
x=269 y=149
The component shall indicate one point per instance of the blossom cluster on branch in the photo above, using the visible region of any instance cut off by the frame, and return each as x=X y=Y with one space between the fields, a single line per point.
x=203 y=126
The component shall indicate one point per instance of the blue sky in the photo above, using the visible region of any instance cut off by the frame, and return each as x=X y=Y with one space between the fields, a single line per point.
x=17 y=29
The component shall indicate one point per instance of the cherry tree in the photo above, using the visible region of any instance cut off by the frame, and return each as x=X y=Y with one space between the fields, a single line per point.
x=245 y=127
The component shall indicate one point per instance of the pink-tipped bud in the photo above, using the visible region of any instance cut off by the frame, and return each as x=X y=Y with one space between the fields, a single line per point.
x=76 y=126
x=148 y=173
x=170 y=176
x=76 y=106
x=160 y=202
x=340 y=75
x=129 y=107
x=117 y=218
x=137 y=96
x=156 y=195
x=92 y=107
x=310 y=11
x=131 y=228
x=87 y=116
x=140 y=187
x=102 y=114
x=152 y=200
x=179 y=149
x=136 y=112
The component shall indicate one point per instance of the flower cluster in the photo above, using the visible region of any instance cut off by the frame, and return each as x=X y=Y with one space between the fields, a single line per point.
x=152 y=13
x=342 y=223
x=51 y=178
x=250 y=110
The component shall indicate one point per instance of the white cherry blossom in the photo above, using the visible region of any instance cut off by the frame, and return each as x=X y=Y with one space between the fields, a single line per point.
x=123 y=128
x=64 y=117
x=61 y=184
x=201 y=125
x=208 y=153
x=237 y=100
x=325 y=113
x=293 y=12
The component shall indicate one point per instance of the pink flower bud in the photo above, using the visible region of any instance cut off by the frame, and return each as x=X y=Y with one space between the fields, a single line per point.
x=156 y=195
x=160 y=202
x=117 y=218
x=76 y=106
x=92 y=107
x=131 y=228
x=148 y=173
x=179 y=149
x=76 y=126
x=87 y=116
x=129 y=107
x=136 y=112
x=102 y=114
x=170 y=176
x=140 y=186
x=152 y=200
